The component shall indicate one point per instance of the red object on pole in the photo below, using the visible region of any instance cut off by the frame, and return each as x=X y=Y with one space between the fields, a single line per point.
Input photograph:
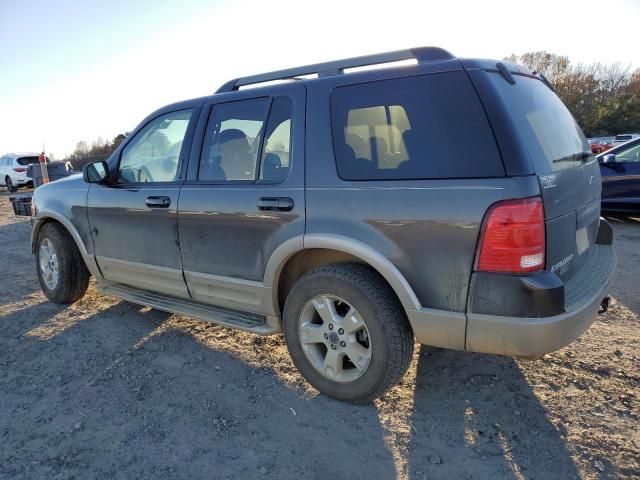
x=43 y=165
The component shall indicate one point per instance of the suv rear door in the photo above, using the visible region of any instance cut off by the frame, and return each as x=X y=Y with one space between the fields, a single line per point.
x=244 y=194
x=537 y=134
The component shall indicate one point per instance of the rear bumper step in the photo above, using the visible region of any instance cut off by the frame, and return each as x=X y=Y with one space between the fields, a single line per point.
x=250 y=322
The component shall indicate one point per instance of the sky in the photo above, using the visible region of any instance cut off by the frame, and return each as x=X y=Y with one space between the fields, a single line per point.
x=79 y=70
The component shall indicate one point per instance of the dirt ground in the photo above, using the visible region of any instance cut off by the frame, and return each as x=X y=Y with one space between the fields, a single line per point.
x=107 y=389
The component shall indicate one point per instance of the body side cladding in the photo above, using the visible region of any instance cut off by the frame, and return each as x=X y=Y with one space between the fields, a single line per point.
x=434 y=327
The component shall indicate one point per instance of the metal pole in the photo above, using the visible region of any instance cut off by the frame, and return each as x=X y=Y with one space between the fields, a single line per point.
x=43 y=165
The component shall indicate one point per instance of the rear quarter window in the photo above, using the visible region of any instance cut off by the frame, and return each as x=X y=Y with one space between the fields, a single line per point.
x=420 y=127
x=545 y=126
x=27 y=160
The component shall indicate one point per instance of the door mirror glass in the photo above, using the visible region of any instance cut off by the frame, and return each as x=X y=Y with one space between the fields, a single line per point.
x=608 y=158
x=96 y=172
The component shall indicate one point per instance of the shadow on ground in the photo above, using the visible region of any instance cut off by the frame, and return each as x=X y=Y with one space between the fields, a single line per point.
x=124 y=393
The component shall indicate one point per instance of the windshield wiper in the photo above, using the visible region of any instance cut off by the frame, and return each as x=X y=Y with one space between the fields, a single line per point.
x=574 y=157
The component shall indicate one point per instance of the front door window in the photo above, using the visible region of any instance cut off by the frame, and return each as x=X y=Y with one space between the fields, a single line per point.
x=153 y=155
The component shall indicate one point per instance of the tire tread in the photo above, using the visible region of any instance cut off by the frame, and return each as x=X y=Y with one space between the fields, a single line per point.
x=373 y=286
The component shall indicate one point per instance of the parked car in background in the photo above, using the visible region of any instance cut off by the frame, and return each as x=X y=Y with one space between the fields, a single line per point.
x=453 y=202
x=624 y=137
x=599 y=145
x=620 y=172
x=13 y=170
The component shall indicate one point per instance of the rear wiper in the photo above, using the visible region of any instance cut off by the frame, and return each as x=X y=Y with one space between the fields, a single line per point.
x=574 y=157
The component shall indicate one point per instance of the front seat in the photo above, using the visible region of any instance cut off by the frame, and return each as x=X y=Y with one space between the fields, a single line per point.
x=236 y=158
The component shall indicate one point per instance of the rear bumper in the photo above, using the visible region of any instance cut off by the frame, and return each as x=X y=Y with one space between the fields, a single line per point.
x=20 y=179
x=532 y=336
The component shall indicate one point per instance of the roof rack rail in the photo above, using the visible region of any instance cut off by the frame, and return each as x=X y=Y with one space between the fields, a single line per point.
x=337 y=67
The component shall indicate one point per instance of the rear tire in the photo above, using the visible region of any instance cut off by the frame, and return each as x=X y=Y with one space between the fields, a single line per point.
x=62 y=274
x=9 y=184
x=357 y=297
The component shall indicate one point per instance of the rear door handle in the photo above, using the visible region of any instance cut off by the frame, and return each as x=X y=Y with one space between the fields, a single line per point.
x=283 y=204
x=158 y=202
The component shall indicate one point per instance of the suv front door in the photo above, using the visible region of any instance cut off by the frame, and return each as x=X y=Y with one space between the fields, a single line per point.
x=244 y=194
x=133 y=218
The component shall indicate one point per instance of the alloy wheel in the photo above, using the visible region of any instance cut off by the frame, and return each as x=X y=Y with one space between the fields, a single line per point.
x=49 y=264
x=335 y=338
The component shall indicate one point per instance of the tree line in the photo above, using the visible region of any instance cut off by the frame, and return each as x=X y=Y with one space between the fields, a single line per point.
x=99 y=149
x=604 y=99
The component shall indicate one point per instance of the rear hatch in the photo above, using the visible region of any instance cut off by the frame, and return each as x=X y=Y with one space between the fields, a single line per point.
x=567 y=171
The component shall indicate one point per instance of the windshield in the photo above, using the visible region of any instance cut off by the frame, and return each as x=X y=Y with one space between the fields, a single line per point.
x=549 y=132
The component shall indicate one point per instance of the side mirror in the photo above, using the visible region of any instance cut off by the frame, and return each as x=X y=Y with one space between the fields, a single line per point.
x=608 y=158
x=96 y=172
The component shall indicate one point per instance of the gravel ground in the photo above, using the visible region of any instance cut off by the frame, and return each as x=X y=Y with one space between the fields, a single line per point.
x=107 y=389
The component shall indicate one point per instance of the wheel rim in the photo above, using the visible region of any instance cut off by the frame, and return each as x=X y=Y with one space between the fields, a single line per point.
x=49 y=264
x=335 y=338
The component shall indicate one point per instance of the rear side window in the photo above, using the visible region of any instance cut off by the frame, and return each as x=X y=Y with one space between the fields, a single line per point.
x=234 y=149
x=274 y=165
x=549 y=132
x=232 y=141
x=421 y=127
x=27 y=160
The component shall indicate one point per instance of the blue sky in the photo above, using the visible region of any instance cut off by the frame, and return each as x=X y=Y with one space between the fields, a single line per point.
x=76 y=70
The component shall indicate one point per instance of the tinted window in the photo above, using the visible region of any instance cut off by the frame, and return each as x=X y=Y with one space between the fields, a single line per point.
x=274 y=165
x=232 y=141
x=547 y=129
x=28 y=160
x=413 y=128
x=154 y=153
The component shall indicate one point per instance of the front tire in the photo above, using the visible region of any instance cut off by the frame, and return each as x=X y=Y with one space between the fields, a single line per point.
x=347 y=332
x=62 y=274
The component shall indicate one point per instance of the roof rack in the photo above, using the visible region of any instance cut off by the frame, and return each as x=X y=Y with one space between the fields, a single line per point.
x=337 y=67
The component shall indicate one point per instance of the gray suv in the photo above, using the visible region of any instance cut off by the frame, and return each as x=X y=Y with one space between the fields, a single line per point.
x=452 y=202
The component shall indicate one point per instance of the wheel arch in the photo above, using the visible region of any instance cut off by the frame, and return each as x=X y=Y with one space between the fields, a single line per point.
x=45 y=217
x=282 y=271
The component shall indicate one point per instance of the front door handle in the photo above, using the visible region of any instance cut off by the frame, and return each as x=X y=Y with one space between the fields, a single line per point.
x=283 y=204
x=158 y=202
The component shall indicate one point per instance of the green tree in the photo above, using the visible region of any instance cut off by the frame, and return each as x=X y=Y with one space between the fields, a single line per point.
x=604 y=99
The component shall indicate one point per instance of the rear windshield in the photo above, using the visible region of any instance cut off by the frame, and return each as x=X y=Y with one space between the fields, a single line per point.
x=28 y=160
x=549 y=132
x=421 y=127
x=623 y=137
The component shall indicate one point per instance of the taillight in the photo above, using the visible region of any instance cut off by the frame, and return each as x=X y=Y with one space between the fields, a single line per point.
x=20 y=169
x=512 y=238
